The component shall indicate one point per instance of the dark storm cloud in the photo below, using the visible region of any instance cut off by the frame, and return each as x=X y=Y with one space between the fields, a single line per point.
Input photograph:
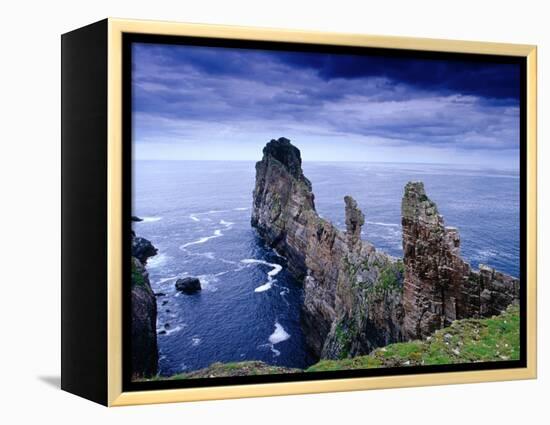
x=195 y=93
x=498 y=80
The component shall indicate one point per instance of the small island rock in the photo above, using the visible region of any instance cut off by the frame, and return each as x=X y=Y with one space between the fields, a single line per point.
x=188 y=285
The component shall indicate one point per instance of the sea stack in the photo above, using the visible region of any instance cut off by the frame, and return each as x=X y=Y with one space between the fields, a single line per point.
x=317 y=252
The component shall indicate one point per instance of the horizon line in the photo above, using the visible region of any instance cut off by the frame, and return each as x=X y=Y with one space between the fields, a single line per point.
x=329 y=161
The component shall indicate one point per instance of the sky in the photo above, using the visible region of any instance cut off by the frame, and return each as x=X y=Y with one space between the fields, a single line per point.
x=214 y=103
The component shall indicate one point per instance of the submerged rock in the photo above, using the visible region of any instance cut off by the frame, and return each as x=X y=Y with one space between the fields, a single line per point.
x=188 y=285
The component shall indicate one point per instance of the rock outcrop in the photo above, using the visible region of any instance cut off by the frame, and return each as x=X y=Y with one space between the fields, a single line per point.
x=144 y=317
x=188 y=285
x=357 y=298
x=440 y=287
x=142 y=249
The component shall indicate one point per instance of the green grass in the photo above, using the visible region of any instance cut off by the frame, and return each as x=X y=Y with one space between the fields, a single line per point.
x=465 y=341
x=217 y=370
x=137 y=277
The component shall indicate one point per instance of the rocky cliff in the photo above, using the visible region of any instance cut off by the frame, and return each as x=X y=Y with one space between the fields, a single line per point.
x=144 y=313
x=439 y=285
x=338 y=268
x=355 y=297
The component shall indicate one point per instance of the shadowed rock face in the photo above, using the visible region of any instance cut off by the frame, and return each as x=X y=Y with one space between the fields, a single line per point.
x=144 y=318
x=356 y=298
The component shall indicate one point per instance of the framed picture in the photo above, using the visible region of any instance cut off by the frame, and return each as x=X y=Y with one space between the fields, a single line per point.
x=251 y=212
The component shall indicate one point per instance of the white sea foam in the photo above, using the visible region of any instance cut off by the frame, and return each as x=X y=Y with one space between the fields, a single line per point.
x=171 y=331
x=240 y=209
x=279 y=335
x=217 y=234
x=227 y=224
x=194 y=217
x=265 y=287
x=149 y=219
x=158 y=260
x=283 y=293
x=167 y=279
x=379 y=223
x=195 y=341
x=275 y=269
x=207 y=281
x=277 y=253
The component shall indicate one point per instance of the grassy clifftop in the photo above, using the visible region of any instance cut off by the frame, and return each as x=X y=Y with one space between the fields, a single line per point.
x=465 y=341
x=220 y=370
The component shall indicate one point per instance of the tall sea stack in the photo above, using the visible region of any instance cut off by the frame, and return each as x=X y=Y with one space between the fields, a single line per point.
x=327 y=259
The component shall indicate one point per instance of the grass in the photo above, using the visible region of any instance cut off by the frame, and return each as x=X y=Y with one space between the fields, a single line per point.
x=465 y=341
x=137 y=277
x=218 y=370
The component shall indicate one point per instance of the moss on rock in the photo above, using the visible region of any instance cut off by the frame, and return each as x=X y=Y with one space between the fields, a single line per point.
x=465 y=341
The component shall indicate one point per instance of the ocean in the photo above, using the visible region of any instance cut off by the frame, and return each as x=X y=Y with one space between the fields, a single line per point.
x=197 y=213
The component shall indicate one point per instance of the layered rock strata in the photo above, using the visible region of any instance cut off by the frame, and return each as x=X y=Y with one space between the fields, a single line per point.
x=355 y=297
x=327 y=259
x=440 y=286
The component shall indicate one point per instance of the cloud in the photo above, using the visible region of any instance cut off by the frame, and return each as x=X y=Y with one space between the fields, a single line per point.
x=186 y=95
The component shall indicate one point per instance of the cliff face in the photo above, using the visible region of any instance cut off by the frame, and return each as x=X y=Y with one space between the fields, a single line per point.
x=284 y=215
x=440 y=286
x=356 y=298
x=326 y=258
x=144 y=313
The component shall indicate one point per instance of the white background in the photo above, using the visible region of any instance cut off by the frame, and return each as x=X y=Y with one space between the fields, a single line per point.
x=30 y=212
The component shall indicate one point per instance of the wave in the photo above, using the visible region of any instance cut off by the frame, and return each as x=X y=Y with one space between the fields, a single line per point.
x=207 y=281
x=168 y=279
x=195 y=216
x=217 y=233
x=195 y=341
x=240 y=209
x=157 y=261
x=265 y=287
x=169 y=331
x=149 y=219
x=277 y=254
x=276 y=269
x=380 y=223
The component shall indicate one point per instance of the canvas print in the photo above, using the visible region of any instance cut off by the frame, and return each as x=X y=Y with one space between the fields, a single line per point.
x=296 y=212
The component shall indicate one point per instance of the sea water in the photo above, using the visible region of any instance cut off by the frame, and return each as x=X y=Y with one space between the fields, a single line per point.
x=197 y=213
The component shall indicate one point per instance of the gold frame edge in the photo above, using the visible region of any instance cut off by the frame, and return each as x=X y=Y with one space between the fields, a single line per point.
x=116 y=397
